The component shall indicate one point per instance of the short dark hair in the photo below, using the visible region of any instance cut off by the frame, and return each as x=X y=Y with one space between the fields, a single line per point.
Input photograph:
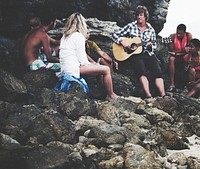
x=195 y=42
x=35 y=21
x=181 y=27
x=142 y=9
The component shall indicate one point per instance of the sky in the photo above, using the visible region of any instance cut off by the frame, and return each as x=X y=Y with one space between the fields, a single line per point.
x=182 y=11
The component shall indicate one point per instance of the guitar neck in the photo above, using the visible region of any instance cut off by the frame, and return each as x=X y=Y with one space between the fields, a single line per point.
x=163 y=40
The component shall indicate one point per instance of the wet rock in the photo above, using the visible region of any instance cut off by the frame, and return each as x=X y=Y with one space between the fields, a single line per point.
x=11 y=87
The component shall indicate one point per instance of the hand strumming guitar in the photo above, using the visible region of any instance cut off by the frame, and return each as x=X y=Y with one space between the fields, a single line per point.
x=125 y=44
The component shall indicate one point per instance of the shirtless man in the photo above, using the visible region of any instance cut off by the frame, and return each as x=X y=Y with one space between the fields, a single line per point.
x=33 y=42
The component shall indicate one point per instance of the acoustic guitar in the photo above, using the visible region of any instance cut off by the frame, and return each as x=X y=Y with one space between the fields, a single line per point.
x=136 y=46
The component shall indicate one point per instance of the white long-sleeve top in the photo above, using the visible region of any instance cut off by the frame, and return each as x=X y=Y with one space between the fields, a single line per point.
x=73 y=54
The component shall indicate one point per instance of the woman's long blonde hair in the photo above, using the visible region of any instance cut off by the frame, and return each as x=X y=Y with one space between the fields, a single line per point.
x=76 y=23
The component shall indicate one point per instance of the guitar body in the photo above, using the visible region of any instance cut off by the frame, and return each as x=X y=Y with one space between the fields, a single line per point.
x=121 y=53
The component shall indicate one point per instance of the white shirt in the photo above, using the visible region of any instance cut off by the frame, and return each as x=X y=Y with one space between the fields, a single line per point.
x=73 y=54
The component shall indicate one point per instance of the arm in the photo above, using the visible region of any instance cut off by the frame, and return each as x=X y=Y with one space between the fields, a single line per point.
x=54 y=41
x=122 y=32
x=46 y=48
x=186 y=49
x=108 y=58
x=92 y=46
x=105 y=56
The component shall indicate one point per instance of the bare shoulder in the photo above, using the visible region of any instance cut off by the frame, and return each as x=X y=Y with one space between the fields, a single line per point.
x=189 y=35
x=42 y=34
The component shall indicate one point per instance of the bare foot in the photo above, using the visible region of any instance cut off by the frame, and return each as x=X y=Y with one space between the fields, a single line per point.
x=112 y=97
x=166 y=97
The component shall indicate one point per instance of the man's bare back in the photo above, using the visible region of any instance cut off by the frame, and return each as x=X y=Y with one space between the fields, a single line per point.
x=34 y=41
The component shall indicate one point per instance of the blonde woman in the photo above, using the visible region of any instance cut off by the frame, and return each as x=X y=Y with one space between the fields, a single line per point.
x=73 y=57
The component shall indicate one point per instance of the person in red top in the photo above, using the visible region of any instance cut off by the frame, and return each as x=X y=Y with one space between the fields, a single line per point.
x=177 y=50
x=193 y=61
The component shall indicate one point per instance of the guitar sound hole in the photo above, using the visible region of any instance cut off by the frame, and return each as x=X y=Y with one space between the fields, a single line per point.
x=128 y=50
x=133 y=46
x=131 y=49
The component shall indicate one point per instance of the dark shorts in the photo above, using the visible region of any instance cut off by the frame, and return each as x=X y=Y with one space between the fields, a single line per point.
x=142 y=63
x=179 y=62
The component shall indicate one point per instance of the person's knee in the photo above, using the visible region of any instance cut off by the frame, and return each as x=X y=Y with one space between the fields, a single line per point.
x=192 y=70
x=105 y=69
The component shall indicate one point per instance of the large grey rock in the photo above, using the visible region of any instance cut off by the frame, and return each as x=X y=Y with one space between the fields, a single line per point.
x=121 y=11
x=11 y=88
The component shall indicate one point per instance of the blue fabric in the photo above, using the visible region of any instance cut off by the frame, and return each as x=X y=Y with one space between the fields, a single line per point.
x=65 y=80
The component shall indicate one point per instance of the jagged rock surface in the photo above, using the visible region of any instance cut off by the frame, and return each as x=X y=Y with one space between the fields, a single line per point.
x=15 y=14
x=43 y=128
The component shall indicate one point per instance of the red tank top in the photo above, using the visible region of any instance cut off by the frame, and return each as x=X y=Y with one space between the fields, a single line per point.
x=178 y=45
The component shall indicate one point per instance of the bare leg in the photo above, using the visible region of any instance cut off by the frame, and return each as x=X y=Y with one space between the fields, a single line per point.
x=193 y=90
x=103 y=62
x=192 y=74
x=145 y=85
x=160 y=85
x=96 y=69
x=172 y=70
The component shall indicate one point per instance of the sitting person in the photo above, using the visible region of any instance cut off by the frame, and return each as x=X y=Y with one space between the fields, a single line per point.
x=193 y=60
x=73 y=57
x=35 y=40
x=177 y=50
x=35 y=22
x=146 y=60
x=193 y=87
x=97 y=55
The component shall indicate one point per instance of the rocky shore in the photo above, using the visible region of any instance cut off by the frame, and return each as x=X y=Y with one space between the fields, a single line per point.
x=45 y=129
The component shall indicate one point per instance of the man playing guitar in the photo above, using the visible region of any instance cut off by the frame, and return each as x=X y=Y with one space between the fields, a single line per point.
x=146 y=60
